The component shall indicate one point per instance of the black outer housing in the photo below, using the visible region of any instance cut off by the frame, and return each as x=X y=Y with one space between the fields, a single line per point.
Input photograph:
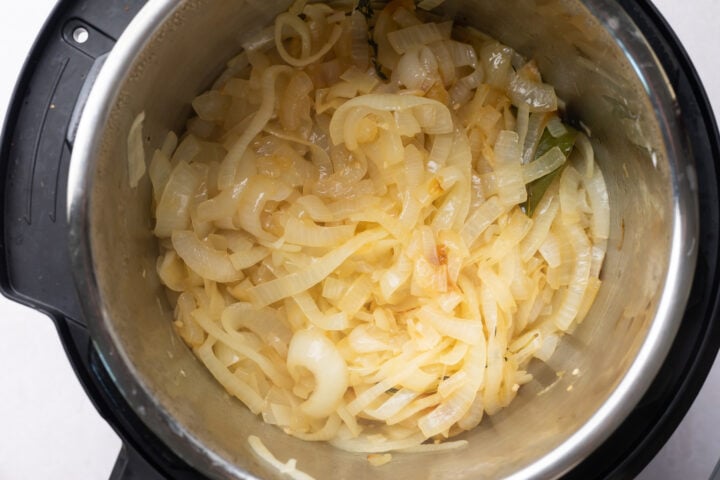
x=35 y=265
x=35 y=269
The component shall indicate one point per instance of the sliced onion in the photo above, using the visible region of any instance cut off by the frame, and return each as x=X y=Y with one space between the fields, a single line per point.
x=203 y=259
x=420 y=404
x=329 y=322
x=407 y=38
x=365 y=445
x=246 y=259
x=556 y=127
x=306 y=58
x=551 y=250
x=543 y=218
x=501 y=291
x=468 y=331
x=266 y=323
x=297 y=25
x=592 y=290
x=448 y=386
x=536 y=125
x=481 y=219
x=539 y=97
x=356 y=296
x=173 y=211
x=573 y=296
x=453 y=211
x=159 y=172
x=312 y=350
x=406 y=370
x=586 y=162
x=386 y=55
x=447 y=413
x=395 y=277
x=416 y=69
x=362 y=81
x=507 y=147
x=315 y=208
x=445 y=63
x=288 y=468
x=511 y=184
x=462 y=54
x=496 y=61
x=233 y=384
x=462 y=91
x=294 y=283
x=361 y=340
x=359 y=34
x=547 y=348
x=441 y=122
x=136 y=151
x=311 y=235
x=260 y=190
x=211 y=106
x=598 y=255
x=510 y=236
x=546 y=164
x=228 y=169
x=473 y=416
x=239 y=343
x=523 y=124
x=457 y=407
x=442 y=145
x=347 y=250
x=221 y=206
x=333 y=288
x=570 y=195
x=600 y=203
x=394 y=404
x=295 y=104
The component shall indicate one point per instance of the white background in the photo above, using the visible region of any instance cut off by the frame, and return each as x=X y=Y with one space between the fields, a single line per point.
x=49 y=429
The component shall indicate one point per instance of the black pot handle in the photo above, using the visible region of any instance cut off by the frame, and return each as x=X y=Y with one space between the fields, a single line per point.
x=35 y=150
x=132 y=466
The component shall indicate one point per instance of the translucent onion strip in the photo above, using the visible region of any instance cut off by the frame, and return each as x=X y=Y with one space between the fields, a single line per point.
x=205 y=260
x=237 y=342
x=226 y=176
x=288 y=468
x=301 y=28
x=481 y=219
x=600 y=204
x=422 y=34
x=234 y=385
x=311 y=235
x=438 y=115
x=294 y=283
x=539 y=97
x=544 y=165
x=136 y=151
x=173 y=210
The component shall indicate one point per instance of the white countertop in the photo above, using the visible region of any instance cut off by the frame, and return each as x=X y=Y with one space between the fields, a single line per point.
x=49 y=428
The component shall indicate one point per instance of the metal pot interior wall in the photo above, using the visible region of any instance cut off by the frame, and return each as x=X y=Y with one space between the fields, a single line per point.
x=599 y=64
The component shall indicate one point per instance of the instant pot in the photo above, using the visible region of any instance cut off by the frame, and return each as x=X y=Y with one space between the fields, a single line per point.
x=77 y=244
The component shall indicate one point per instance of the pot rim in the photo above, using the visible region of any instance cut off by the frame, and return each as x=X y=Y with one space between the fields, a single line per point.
x=637 y=379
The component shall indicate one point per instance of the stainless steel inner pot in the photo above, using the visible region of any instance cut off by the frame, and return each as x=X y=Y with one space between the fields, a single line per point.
x=600 y=64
